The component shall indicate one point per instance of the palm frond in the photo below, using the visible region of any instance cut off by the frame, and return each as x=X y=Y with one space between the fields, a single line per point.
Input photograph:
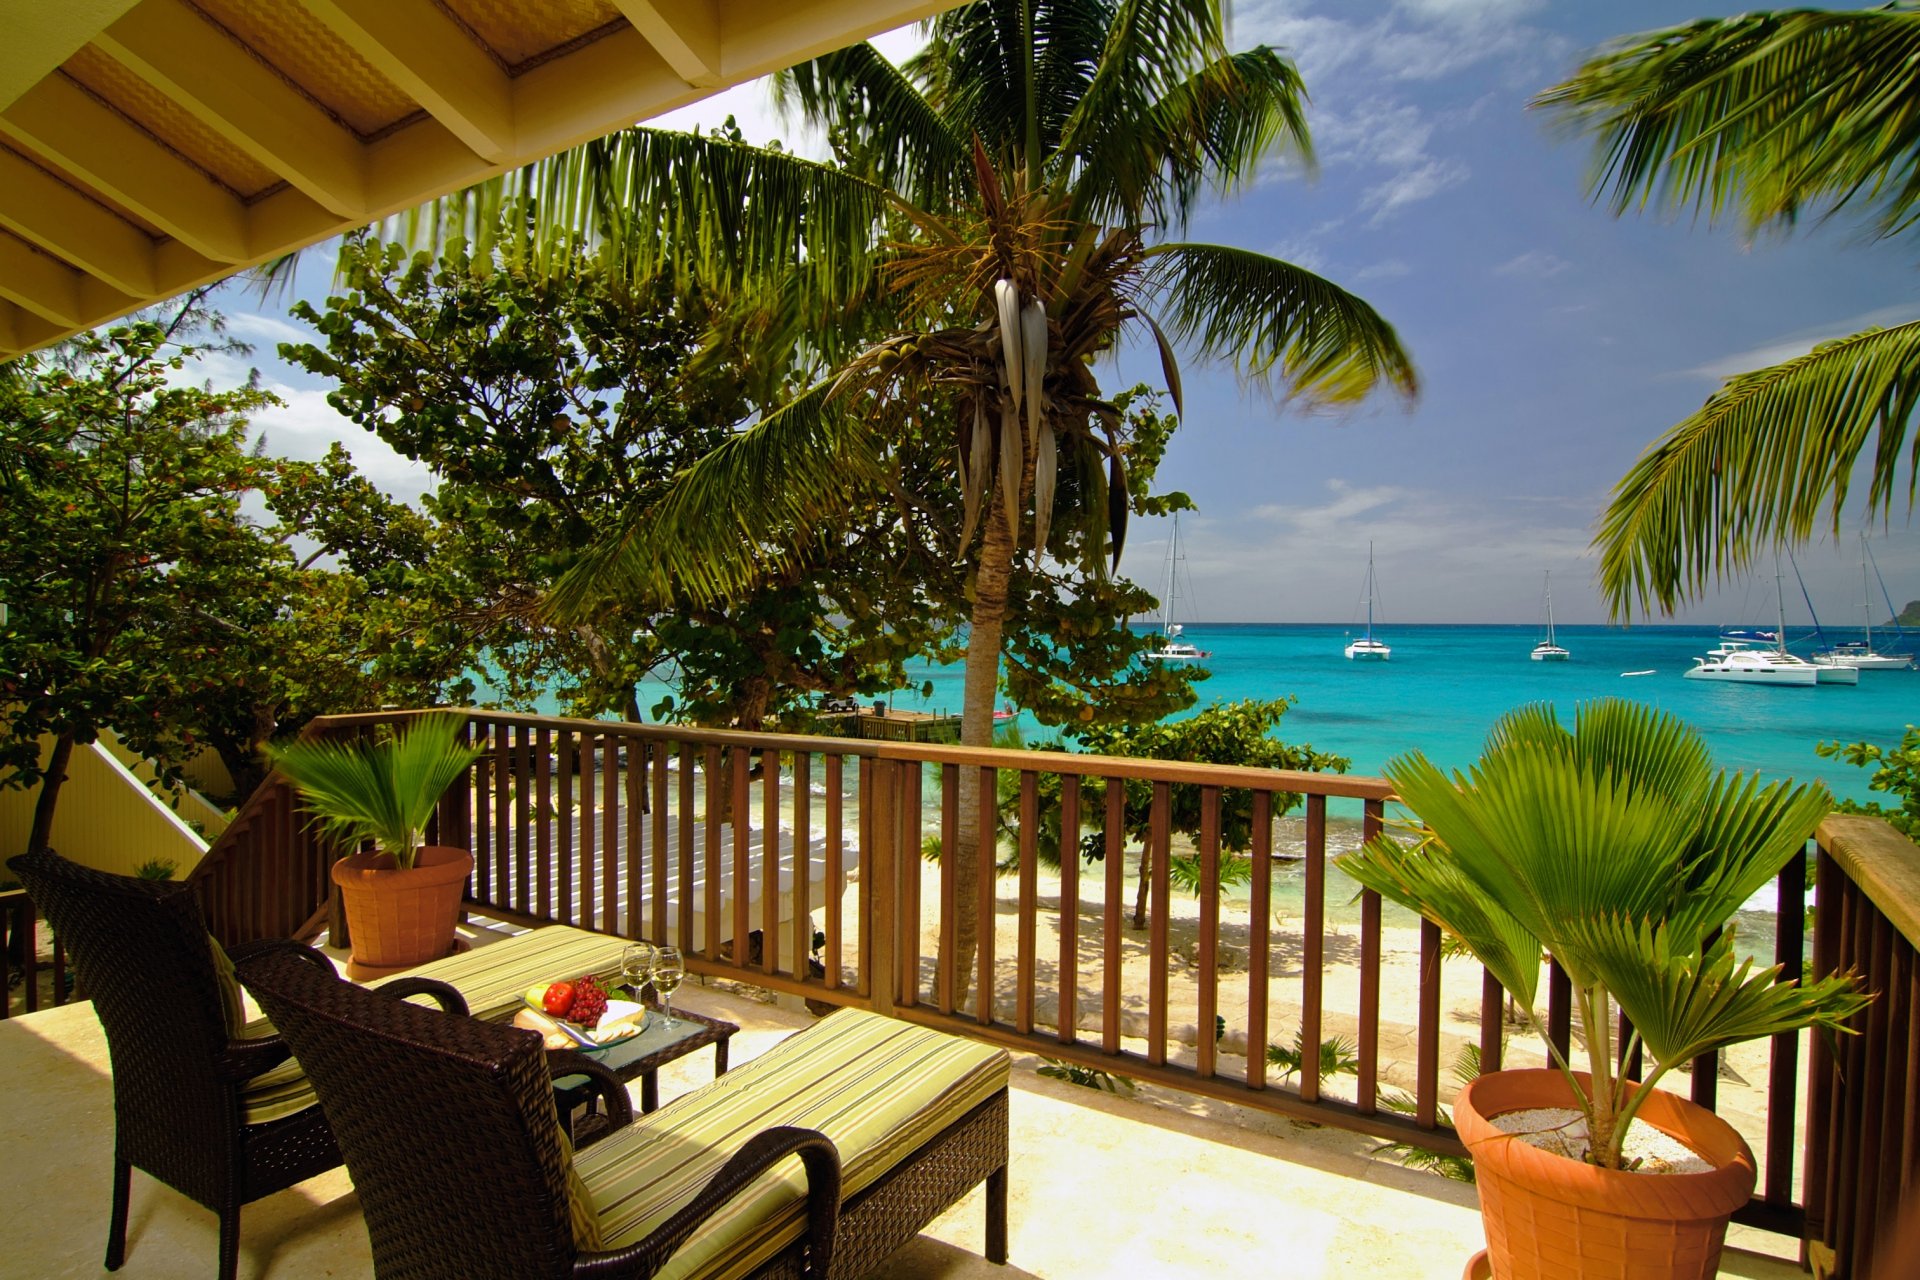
x=656 y=201
x=747 y=508
x=384 y=790
x=1755 y=465
x=1684 y=1001
x=1150 y=50
x=1265 y=315
x=905 y=144
x=1208 y=132
x=1759 y=116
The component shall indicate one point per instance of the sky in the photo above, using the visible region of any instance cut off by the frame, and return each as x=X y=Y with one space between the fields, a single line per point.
x=1554 y=341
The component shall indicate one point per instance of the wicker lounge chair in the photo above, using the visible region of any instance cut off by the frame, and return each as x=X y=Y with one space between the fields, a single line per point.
x=220 y=1117
x=481 y=1185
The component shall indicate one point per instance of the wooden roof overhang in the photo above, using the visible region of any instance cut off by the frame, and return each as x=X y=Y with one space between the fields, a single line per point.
x=149 y=146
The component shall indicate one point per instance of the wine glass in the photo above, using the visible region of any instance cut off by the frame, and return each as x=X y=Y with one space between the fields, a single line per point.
x=636 y=963
x=668 y=969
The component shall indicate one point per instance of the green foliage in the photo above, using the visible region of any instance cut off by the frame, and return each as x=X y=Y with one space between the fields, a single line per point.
x=1339 y=1056
x=1466 y=1069
x=1896 y=771
x=1769 y=119
x=1086 y=1077
x=384 y=790
x=1618 y=849
x=156 y=869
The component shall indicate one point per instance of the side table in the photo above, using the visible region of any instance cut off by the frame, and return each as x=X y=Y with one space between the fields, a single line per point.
x=643 y=1056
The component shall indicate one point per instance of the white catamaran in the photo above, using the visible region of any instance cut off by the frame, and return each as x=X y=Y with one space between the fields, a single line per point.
x=1859 y=654
x=1547 y=650
x=1366 y=647
x=1172 y=647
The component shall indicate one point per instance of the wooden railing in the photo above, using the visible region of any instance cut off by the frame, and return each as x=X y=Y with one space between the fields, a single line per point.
x=642 y=831
x=20 y=955
x=1863 y=1130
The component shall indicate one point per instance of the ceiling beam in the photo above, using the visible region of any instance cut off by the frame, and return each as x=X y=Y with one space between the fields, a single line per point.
x=172 y=48
x=435 y=62
x=22 y=331
x=53 y=290
x=67 y=126
x=686 y=33
x=40 y=208
x=42 y=36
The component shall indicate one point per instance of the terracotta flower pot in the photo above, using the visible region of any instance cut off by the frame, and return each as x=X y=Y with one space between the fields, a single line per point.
x=399 y=919
x=1552 y=1218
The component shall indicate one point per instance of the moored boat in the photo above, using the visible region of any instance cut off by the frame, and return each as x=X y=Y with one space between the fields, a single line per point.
x=1367 y=648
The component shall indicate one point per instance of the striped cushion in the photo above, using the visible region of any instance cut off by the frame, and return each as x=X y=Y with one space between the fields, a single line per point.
x=492 y=977
x=275 y=1094
x=878 y=1088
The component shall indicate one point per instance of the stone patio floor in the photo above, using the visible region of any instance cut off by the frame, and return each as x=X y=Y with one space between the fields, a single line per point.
x=1157 y=1184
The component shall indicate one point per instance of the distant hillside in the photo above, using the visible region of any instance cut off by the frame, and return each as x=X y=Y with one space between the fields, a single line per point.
x=1909 y=616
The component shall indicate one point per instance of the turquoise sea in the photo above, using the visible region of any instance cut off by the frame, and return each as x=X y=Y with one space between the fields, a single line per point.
x=1445 y=686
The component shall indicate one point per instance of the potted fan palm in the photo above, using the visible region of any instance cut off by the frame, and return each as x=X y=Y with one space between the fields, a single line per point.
x=1617 y=849
x=402 y=899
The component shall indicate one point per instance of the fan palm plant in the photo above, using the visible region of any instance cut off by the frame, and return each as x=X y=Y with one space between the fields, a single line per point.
x=385 y=790
x=1764 y=118
x=1002 y=200
x=1619 y=850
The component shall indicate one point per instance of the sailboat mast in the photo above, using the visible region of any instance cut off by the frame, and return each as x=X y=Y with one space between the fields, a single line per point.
x=1866 y=594
x=1780 y=601
x=1173 y=561
x=1550 y=607
x=1369 y=590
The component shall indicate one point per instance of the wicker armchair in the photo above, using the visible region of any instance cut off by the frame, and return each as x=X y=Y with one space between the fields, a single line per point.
x=183 y=1084
x=449 y=1130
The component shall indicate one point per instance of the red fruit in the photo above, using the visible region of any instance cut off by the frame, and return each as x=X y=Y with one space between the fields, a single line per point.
x=559 y=999
x=589 y=1001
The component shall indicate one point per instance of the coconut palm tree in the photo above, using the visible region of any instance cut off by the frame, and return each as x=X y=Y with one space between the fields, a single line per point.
x=1764 y=119
x=1002 y=198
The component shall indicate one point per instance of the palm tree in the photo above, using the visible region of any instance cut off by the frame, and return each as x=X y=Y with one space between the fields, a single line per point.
x=1001 y=199
x=1764 y=118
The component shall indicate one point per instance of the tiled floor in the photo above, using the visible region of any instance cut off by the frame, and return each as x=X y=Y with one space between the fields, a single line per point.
x=1150 y=1186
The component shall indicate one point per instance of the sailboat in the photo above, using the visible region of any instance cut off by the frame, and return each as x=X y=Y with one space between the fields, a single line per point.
x=1735 y=659
x=1172 y=647
x=1859 y=654
x=1366 y=647
x=1547 y=650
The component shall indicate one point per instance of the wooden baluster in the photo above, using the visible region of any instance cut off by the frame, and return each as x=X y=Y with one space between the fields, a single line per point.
x=1368 y=1085
x=716 y=794
x=740 y=788
x=577 y=862
x=865 y=804
x=949 y=893
x=1493 y=1030
x=485 y=769
x=984 y=889
x=908 y=844
x=635 y=782
x=770 y=861
x=1069 y=981
x=1026 y=922
x=689 y=849
x=610 y=870
x=1160 y=902
x=1560 y=1010
x=1314 y=938
x=1208 y=1004
x=543 y=799
x=802 y=865
x=1426 y=1089
x=659 y=853
x=880 y=862
x=1259 y=939
x=1783 y=1075
x=835 y=836
x=1112 y=944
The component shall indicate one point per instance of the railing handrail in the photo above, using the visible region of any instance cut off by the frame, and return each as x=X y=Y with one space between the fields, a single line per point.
x=1179 y=773
x=1881 y=862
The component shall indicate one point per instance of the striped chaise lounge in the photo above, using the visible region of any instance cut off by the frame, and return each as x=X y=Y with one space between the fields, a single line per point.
x=448 y=1128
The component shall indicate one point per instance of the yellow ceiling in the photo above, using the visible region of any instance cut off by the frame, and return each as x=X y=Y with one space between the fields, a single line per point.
x=148 y=146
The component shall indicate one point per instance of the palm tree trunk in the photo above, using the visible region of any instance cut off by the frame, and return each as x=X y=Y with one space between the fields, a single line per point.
x=991 y=580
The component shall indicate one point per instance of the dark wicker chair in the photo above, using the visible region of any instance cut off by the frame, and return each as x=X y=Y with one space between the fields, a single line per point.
x=449 y=1131
x=141 y=951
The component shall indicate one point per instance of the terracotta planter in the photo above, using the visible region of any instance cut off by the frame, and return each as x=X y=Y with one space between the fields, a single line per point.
x=1551 y=1218
x=399 y=919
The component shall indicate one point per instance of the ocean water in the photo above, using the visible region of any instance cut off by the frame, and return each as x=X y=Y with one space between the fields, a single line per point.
x=1446 y=685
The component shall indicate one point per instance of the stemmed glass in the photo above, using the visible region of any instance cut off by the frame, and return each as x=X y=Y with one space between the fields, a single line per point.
x=636 y=963
x=668 y=969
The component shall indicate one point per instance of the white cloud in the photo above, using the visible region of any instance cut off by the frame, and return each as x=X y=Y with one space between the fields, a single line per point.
x=1385 y=269
x=1412 y=186
x=1534 y=264
x=1799 y=342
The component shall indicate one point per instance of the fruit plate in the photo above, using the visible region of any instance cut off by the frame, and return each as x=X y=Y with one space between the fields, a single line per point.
x=623 y=1019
